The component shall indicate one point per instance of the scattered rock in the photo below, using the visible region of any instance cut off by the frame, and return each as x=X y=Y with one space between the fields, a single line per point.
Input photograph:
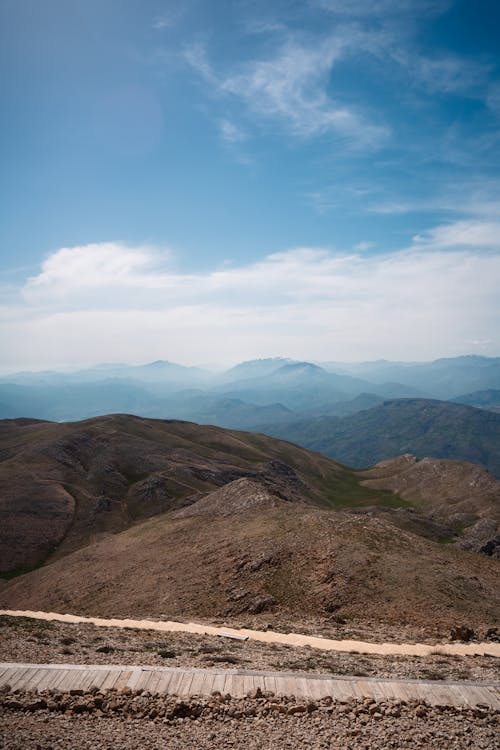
x=462 y=633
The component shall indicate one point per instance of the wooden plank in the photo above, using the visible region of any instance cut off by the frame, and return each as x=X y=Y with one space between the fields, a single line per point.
x=389 y=689
x=20 y=676
x=197 y=684
x=67 y=680
x=46 y=678
x=405 y=691
x=159 y=680
x=291 y=687
x=174 y=683
x=143 y=679
x=82 y=679
x=269 y=682
x=134 y=678
x=7 y=676
x=50 y=678
x=110 y=680
x=228 y=684
x=301 y=689
x=218 y=684
x=163 y=686
x=248 y=683
x=340 y=690
x=208 y=683
x=3 y=671
x=361 y=688
x=123 y=678
x=184 y=687
x=281 y=685
x=318 y=689
x=480 y=694
x=59 y=677
x=495 y=697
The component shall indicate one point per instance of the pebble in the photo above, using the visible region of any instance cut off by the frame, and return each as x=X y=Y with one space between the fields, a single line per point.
x=129 y=720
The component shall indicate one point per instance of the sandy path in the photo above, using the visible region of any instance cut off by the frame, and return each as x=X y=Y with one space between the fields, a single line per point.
x=269 y=636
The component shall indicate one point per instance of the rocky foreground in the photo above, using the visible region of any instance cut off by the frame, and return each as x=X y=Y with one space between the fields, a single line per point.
x=42 y=642
x=131 y=720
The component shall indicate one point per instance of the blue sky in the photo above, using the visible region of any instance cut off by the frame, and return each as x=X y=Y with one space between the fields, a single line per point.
x=204 y=181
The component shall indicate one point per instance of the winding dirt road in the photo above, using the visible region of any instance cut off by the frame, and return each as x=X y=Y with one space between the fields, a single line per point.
x=269 y=636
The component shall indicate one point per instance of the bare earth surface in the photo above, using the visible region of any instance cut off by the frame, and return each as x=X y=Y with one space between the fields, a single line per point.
x=269 y=636
x=129 y=721
x=39 y=641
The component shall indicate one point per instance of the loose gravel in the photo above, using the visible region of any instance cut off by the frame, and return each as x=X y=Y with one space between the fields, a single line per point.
x=36 y=641
x=128 y=720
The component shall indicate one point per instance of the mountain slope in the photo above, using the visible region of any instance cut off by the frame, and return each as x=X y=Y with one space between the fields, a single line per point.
x=130 y=516
x=453 y=495
x=488 y=399
x=61 y=484
x=443 y=378
x=422 y=427
x=243 y=550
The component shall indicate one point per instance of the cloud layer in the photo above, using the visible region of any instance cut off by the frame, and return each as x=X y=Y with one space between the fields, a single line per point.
x=109 y=301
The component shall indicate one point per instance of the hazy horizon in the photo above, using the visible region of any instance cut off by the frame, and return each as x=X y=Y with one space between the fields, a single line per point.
x=205 y=182
x=220 y=367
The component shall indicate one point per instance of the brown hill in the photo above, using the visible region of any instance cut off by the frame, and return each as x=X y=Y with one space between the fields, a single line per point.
x=243 y=550
x=61 y=485
x=238 y=523
x=457 y=495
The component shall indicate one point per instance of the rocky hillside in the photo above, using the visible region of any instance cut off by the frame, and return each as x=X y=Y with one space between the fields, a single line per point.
x=171 y=519
x=453 y=495
x=242 y=550
x=62 y=485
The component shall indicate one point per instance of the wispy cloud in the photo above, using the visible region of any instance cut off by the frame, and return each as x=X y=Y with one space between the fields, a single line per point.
x=168 y=18
x=291 y=88
x=231 y=133
x=470 y=234
x=109 y=300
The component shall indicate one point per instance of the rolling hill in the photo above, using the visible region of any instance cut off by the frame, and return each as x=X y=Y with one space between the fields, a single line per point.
x=121 y=515
x=61 y=484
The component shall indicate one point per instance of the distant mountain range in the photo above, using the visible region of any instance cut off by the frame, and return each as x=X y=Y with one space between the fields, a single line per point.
x=357 y=413
x=234 y=397
x=419 y=426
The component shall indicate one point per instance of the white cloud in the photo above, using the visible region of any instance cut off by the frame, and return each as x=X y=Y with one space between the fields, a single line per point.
x=364 y=246
x=470 y=234
x=113 y=302
x=291 y=87
x=231 y=133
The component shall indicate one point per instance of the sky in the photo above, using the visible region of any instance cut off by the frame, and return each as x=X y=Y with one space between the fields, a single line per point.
x=214 y=181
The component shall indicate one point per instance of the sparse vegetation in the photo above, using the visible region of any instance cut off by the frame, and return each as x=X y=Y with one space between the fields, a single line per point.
x=165 y=654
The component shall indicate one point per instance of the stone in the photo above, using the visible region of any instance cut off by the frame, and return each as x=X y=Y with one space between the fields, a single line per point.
x=462 y=633
x=297 y=709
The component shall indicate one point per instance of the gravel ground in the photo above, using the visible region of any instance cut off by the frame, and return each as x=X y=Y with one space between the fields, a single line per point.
x=47 y=721
x=37 y=641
